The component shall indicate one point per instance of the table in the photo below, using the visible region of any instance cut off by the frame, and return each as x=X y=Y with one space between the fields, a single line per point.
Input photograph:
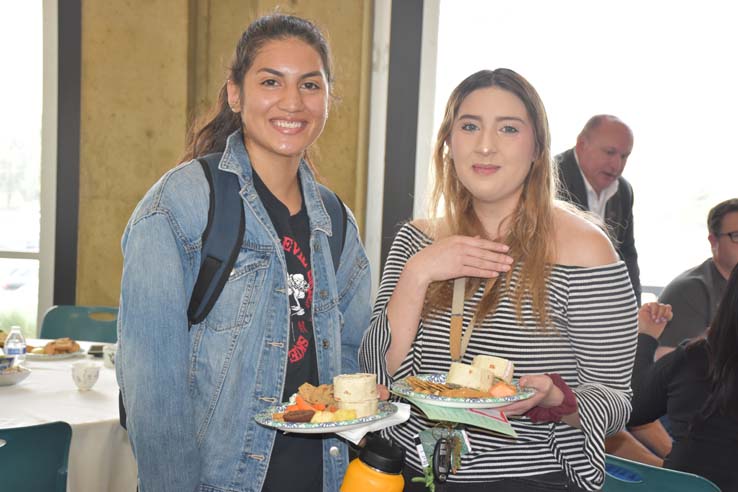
x=100 y=457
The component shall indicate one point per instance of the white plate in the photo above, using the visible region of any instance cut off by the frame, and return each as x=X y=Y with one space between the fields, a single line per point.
x=403 y=388
x=386 y=410
x=8 y=378
x=55 y=356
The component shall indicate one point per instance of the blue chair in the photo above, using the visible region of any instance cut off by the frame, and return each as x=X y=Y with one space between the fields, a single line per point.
x=630 y=476
x=90 y=323
x=34 y=459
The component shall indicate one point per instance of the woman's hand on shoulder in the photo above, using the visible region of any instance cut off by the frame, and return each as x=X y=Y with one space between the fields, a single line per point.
x=459 y=256
x=580 y=242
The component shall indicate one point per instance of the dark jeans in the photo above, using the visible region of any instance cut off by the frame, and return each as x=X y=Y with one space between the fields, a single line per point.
x=556 y=481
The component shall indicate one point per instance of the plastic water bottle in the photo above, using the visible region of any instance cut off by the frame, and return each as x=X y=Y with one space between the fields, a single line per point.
x=15 y=344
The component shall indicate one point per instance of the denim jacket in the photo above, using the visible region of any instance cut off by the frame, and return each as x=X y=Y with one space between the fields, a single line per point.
x=191 y=395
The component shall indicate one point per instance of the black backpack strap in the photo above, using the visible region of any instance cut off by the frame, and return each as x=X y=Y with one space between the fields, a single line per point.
x=221 y=241
x=337 y=211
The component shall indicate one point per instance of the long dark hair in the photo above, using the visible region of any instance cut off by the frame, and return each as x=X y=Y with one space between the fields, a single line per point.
x=722 y=347
x=210 y=135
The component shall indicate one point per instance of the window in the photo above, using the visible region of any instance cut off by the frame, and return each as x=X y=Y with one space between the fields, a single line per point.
x=23 y=205
x=665 y=69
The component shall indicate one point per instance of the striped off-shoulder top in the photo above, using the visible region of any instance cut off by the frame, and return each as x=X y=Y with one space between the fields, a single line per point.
x=592 y=347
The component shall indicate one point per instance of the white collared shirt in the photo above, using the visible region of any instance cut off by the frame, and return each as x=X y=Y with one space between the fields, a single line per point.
x=597 y=202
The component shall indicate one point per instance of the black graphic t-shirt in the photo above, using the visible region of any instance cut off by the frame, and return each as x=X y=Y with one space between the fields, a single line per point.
x=296 y=462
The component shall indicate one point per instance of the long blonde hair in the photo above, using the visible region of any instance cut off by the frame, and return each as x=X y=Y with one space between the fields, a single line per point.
x=530 y=235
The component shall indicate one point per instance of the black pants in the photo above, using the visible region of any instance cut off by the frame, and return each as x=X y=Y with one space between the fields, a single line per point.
x=556 y=481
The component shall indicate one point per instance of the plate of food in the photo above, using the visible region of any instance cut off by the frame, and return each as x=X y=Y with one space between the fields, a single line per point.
x=351 y=402
x=59 y=356
x=433 y=390
x=274 y=417
x=13 y=375
x=486 y=383
x=61 y=348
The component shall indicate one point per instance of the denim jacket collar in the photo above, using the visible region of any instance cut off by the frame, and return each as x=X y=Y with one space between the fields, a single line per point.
x=236 y=160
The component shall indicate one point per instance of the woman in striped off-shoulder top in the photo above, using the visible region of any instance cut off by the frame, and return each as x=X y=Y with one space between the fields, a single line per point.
x=545 y=289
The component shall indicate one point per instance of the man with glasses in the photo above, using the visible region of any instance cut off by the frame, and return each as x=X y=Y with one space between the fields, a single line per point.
x=694 y=295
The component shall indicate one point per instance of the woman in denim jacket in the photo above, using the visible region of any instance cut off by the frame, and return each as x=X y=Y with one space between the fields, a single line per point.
x=191 y=395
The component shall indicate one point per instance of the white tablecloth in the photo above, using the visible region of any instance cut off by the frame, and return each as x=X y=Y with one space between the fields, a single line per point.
x=100 y=457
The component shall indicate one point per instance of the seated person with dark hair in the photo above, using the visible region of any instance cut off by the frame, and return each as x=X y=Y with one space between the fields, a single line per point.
x=696 y=385
x=695 y=294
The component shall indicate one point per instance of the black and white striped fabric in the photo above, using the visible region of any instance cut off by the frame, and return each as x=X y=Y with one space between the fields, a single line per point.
x=592 y=347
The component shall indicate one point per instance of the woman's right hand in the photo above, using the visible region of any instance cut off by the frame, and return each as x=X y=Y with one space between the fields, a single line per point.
x=447 y=258
x=460 y=256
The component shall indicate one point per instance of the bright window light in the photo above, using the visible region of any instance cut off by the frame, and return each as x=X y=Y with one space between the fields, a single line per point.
x=21 y=97
x=665 y=68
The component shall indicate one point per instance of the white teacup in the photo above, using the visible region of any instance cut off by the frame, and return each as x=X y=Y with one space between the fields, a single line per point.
x=85 y=374
x=109 y=355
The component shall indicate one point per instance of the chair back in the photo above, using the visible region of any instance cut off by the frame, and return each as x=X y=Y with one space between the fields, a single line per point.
x=630 y=476
x=34 y=458
x=90 y=323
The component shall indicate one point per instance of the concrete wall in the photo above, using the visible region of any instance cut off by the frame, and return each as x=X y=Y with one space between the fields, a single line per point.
x=147 y=65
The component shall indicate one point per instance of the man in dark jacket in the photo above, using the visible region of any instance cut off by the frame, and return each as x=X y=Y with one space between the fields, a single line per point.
x=590 y=177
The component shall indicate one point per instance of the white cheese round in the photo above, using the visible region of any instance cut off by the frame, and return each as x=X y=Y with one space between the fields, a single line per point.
x=355 y=387
x=502 y=368
x=362 y=408
x=477 y=378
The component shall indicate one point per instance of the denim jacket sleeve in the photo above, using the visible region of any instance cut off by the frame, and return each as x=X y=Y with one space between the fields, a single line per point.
x=354 y=291
x=154 y=350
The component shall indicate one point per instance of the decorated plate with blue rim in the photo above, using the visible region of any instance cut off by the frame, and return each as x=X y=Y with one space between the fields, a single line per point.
x=265 y=418
x=404 y=389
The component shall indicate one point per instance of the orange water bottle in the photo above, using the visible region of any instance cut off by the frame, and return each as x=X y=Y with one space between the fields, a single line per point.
x=377 y=469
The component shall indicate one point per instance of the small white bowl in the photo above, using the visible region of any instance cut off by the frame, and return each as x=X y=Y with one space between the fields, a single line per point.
x=85 y=374
x=14 y=376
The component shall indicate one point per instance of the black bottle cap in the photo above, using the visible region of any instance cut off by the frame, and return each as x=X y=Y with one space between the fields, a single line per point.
x=381 y=454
